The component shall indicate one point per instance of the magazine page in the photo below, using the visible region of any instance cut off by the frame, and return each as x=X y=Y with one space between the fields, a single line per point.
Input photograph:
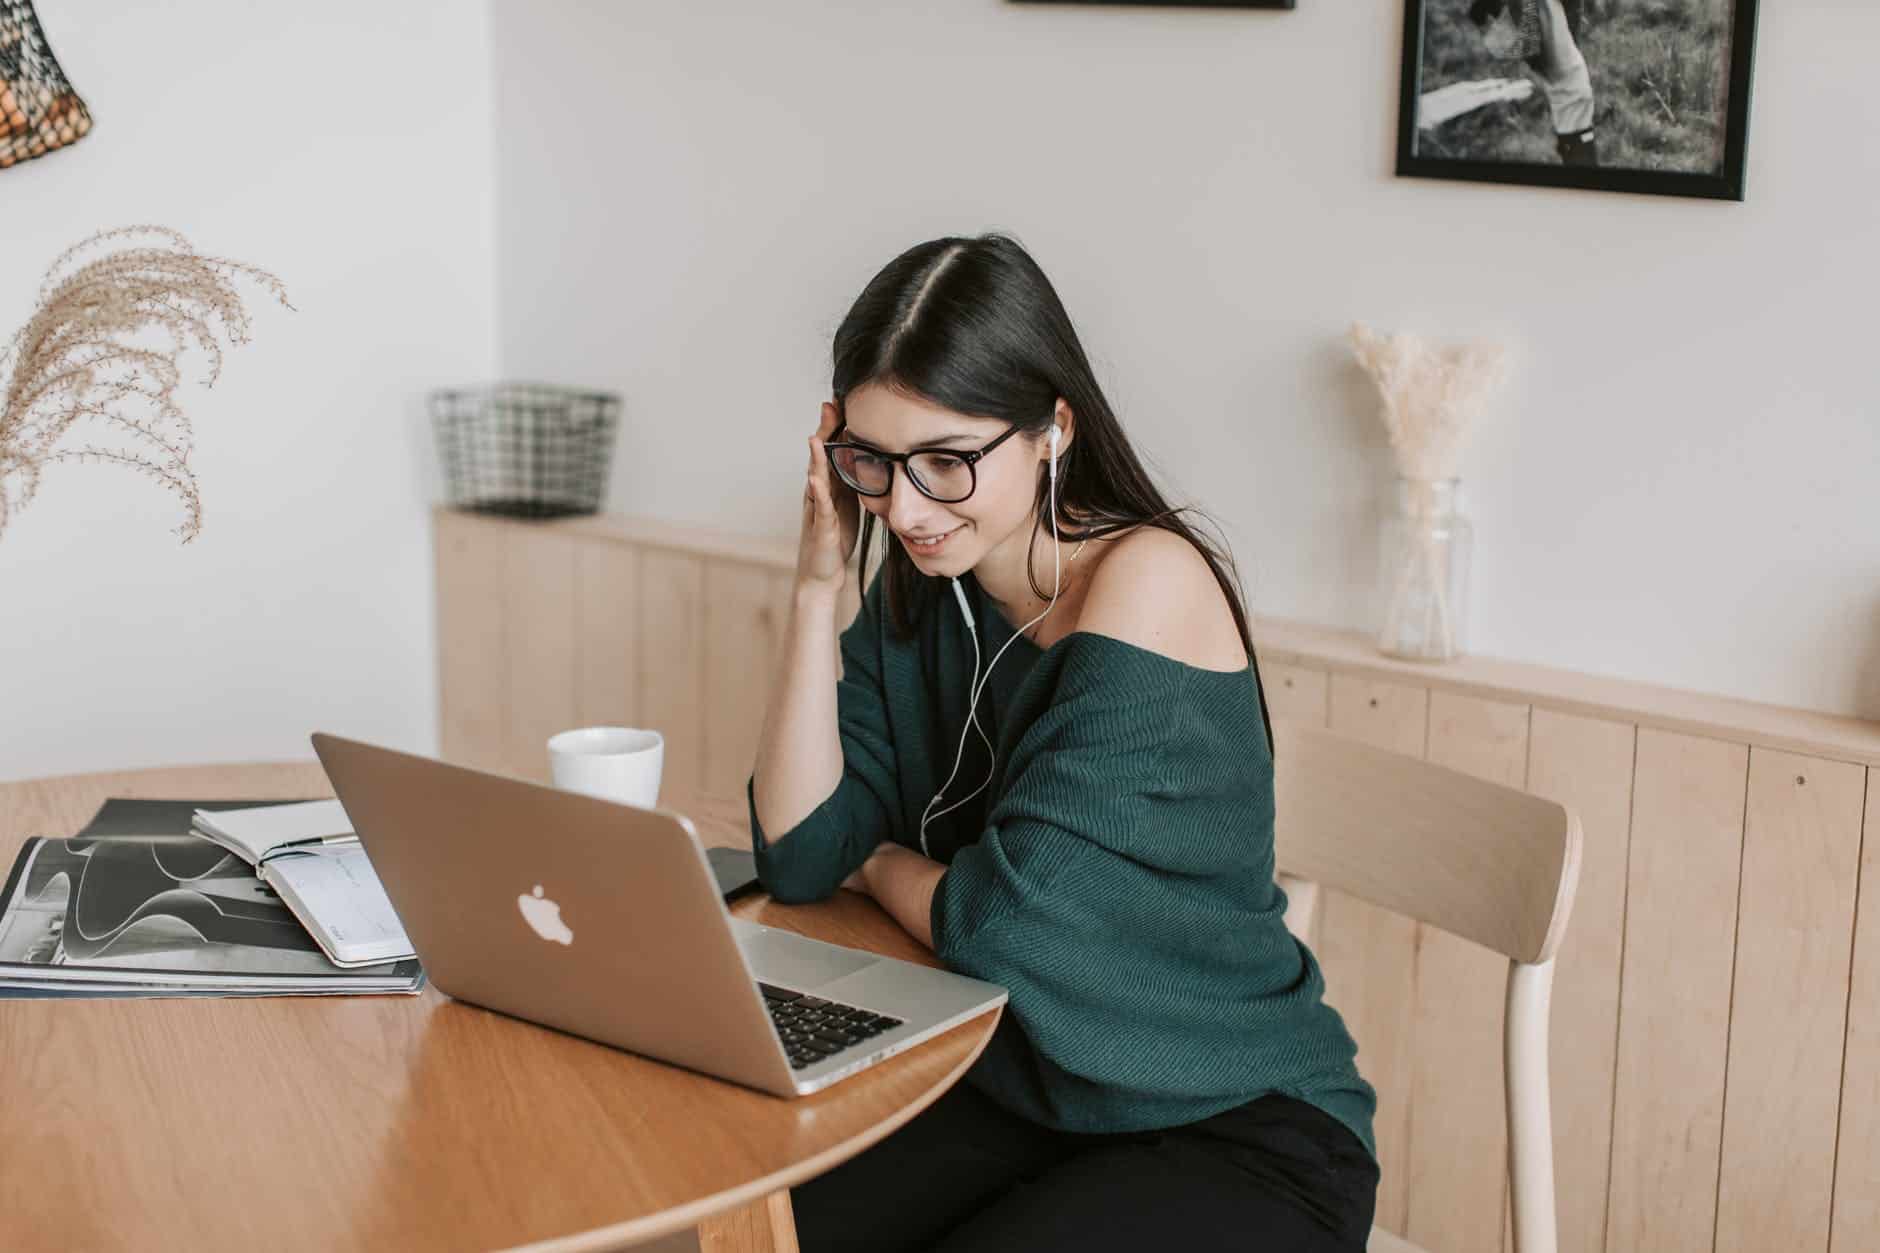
x=127 y=816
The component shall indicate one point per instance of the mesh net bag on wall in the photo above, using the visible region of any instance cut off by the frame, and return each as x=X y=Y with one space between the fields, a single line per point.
x=525 y=450
x=39 y=110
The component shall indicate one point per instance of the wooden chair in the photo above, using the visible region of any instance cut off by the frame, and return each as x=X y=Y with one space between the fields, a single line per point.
x=1480 y=860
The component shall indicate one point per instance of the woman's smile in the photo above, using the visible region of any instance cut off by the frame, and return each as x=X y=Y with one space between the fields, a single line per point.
x=914 y=545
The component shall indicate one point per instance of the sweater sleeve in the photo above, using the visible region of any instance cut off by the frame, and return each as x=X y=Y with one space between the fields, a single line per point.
x=1081 y=791
x=810 y=860
x=1133 y=839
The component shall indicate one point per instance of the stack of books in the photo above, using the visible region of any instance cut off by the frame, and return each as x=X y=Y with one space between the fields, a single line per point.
x=202 y=898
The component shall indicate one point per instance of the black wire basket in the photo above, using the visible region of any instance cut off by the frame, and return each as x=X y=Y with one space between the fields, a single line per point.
x=525 y=450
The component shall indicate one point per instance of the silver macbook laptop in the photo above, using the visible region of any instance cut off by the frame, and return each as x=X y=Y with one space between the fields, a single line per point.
x=605 y=921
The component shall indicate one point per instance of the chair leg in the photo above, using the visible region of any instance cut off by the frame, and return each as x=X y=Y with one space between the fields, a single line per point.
x=1530 y=1117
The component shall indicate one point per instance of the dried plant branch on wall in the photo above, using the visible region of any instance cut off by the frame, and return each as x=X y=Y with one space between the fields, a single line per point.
x=74 y=360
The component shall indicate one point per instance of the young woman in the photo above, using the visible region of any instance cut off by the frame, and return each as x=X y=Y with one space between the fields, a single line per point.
x=1165 y=1069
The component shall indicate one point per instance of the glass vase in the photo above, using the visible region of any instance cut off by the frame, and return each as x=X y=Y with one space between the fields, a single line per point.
x=1423 y=572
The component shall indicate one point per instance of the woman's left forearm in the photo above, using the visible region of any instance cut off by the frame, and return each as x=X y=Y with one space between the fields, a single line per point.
x=902 y=882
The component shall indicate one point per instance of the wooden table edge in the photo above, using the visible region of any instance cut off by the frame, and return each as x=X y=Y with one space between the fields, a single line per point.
x=684 y=1217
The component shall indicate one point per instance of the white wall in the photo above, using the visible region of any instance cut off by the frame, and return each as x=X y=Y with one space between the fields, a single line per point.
x=686 y=200
x=346 y=147
x=1679 y=485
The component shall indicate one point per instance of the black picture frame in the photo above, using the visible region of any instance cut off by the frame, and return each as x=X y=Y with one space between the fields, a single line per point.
x=1726 y=183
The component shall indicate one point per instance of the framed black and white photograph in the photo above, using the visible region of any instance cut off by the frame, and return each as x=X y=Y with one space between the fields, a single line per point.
x=1616 y=95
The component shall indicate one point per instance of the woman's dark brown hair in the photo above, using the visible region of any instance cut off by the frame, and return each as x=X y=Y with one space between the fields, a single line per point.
x=973 y=325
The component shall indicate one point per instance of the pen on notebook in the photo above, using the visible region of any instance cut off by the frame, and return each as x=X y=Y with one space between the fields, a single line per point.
x=348 y=838
x=294 y=846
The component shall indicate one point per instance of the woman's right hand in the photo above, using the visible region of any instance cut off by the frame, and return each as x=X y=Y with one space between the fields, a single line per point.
x=832 y=514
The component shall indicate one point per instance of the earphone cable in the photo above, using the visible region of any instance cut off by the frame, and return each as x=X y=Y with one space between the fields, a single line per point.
x=1057 y=578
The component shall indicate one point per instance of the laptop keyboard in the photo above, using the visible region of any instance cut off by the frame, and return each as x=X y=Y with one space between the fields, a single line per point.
x=813 y=1028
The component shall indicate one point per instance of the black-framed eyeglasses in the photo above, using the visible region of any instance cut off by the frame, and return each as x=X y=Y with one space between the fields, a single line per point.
x=947 y=475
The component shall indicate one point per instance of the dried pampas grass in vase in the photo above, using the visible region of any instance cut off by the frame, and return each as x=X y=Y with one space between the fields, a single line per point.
x=1432 y=395
x=73 y=360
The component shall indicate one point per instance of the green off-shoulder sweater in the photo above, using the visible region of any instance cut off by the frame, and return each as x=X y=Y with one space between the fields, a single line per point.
x=1115 y=875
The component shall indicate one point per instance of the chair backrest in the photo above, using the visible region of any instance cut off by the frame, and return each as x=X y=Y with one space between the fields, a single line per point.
x=1481 y=860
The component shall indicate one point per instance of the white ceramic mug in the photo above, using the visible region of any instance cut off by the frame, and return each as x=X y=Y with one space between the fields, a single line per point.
x=614 y=763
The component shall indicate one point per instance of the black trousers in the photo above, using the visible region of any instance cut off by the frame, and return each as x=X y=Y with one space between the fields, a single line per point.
x=965 y=1176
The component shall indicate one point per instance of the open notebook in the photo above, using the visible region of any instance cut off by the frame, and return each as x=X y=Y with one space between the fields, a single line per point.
x=307 y=852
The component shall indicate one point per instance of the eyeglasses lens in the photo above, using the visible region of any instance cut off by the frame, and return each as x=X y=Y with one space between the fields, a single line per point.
x=941 y=476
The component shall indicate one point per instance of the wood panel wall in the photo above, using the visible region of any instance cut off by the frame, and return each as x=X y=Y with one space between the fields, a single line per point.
x=545 y=626
x=1716 y=1008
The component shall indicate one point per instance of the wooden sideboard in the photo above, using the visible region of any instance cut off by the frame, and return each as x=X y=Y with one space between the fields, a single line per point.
x=544 y=626
x=1716 y=1007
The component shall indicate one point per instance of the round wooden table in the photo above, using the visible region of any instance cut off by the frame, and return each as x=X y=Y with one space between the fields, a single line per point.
x=402 y=1122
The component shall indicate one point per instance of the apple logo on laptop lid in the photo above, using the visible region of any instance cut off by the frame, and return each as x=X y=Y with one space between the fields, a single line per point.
x=544 y=917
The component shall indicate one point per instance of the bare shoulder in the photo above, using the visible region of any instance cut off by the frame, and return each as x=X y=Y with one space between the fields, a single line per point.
x=1155 y=590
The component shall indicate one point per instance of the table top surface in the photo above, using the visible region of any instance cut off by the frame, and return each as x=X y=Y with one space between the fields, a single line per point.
x=406 y=1122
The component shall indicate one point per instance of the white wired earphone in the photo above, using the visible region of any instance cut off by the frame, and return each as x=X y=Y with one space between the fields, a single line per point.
x=972 y=628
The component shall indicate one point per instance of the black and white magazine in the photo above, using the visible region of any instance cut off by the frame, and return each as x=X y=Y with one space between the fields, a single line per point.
x=134 y=905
